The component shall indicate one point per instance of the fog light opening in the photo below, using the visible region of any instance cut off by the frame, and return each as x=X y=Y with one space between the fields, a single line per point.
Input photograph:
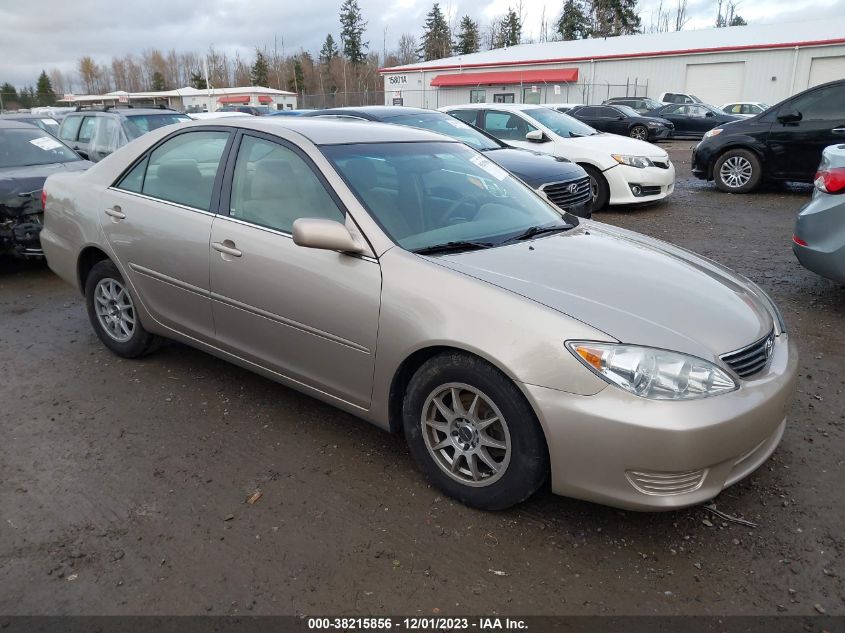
x=636 y=190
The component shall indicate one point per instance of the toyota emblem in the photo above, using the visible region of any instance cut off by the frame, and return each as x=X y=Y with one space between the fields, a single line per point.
x=770 y=346
x=573 y=188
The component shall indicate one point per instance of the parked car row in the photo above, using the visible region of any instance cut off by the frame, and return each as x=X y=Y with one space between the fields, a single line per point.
x=408 y=279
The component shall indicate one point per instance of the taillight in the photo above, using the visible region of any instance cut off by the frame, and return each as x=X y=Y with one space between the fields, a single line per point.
x=798 y=241
x=830 y=180
x=43 y=198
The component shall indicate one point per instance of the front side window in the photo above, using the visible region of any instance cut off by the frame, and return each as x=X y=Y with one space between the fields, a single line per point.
x=183 y=168
x=70 y=128
x=86 y=130
x=506 y=126
x=273 y=186
x=825 y=104
x=32 y=146
x=432 y=193
x=559 y=123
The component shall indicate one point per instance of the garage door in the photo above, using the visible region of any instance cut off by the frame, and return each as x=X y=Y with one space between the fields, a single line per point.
x=716 y=83
x=824 y=69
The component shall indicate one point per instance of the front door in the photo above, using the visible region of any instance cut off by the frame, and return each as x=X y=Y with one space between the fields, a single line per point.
x=310 y=315
x=157 y=220
x=797 y=145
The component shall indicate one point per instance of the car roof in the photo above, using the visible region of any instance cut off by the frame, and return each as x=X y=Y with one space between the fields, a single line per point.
x=127 y=111
x=325 y=131
x=504 y=106
x=22 y=116
x=14 y=124
x=379 y=112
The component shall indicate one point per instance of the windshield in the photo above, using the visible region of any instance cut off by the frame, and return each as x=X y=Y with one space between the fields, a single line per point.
x=626 y=110
x=560 y=123
x=139 y=124
x=450 y=126
x=432 y=193
x=20 y=147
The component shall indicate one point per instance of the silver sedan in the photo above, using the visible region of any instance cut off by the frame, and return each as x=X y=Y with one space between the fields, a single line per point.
x=403 y=277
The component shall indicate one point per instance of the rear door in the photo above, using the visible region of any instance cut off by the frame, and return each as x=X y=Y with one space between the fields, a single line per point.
x=677 y=115
x=797 y=145
x=157 y=220
x=590 y=116
x=310 y=315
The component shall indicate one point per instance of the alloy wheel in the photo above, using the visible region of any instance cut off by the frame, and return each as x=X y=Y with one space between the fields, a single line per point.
x=639 y=133
x=466 y=434
x=736 y=171
x=115 y=310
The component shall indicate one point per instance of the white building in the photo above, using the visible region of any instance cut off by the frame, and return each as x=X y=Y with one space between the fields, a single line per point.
x=766 y=62
x=194 y=100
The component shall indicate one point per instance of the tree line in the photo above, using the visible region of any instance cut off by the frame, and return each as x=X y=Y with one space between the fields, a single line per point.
x=347 y=64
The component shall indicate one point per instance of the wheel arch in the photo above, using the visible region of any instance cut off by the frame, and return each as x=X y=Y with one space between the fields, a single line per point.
x=89 y=257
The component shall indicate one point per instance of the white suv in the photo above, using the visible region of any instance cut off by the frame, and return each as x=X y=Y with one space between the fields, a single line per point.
x=622 y=170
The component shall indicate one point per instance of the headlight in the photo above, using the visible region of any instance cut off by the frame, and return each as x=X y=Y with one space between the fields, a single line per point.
x=653 y=373
x=632 y=161
x=652 y=123
x=714 y=132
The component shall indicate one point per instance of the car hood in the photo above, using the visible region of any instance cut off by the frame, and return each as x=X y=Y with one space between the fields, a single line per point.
x=20 y=187
x=617 y=144
x=536 y=169
x=633 y=288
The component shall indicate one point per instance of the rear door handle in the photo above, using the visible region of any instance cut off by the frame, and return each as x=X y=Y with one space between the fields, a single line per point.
x=227 y=247
x=116 y=213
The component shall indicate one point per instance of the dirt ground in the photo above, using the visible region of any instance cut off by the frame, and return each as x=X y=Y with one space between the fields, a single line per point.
x=123 y=484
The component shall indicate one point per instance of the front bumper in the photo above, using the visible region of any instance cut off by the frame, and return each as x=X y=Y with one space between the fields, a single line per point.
x=612 y=447
x=702 y=162
x=620 y=178
x=658 y=134
x=819 y=224
x=21 y=236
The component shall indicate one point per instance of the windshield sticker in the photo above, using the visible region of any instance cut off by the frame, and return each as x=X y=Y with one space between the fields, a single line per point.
x=457 y=124
x=47 y=121
x=46 y=143
x=491 y=168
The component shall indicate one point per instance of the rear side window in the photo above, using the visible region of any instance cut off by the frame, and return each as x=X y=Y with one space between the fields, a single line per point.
x=86 y=130
x=70 y=127
x=181 y=170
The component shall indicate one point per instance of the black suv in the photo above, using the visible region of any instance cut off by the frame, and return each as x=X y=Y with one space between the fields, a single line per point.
x=783 y=143
x=564 y=184
x=96 y=133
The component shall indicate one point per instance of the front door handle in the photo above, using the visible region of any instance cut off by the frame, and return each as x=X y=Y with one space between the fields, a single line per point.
x=838 y=130
x=116 y=213
x=227 y=247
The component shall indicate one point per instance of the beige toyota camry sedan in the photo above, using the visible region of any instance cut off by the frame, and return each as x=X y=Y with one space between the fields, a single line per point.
x=405 y=278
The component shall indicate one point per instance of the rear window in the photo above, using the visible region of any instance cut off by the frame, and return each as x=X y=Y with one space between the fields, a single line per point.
x=140 y=124
x=22 y=147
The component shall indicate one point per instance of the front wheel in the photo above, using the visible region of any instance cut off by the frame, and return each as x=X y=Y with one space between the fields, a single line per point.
x=639 y=132
x=472 y=432
x=598 y=187
x=111 y=310
x=738 y=171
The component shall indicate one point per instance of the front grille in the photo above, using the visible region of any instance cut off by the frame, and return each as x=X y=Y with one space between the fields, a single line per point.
x=750 y=359
x=568 y=194
x=660 y=163
x=666 y=483
x=650 y=190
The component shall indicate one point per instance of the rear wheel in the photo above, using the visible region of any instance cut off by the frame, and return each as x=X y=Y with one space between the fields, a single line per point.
x=472 y=432
x=111 y=310
x=639 y=132
x=738 y=171
x=599 y=187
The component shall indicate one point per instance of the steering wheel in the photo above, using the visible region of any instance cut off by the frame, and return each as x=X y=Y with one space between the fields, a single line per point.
x=450 y=216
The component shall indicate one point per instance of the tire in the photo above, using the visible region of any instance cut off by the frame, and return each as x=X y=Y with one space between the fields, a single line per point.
x=513 y=443
x=639 y=132
x=738 y=171
x=601 y=190
x=110 y=308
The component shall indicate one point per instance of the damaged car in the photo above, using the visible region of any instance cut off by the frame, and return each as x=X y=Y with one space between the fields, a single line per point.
x=27 y=156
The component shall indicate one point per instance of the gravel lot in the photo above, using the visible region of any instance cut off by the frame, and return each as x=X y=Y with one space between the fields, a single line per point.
x=123 y=484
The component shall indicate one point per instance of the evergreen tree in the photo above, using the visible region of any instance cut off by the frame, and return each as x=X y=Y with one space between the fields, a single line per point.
x=9 y=96
x=573 y=23
x=297 y=82
x=511 y=28
x=44 y=89
x=614 y=17
x=737 y=20
x=198 y=81
x=468 y=37
x=329 y=50
x=437 y=38
x=352 y=27
x=259 y=73
x=157 y=84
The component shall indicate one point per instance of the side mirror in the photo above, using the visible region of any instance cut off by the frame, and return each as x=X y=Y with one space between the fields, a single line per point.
x=709 y=114
x=620 y=118
x=536 y=136
x=791 y=116
x=328 y=235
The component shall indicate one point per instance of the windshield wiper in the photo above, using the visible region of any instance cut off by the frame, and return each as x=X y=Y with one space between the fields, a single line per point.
x=533 y=231
x=461 y=245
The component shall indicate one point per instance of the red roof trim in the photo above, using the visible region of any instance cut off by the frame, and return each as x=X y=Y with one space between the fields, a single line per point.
x=234 y=99
x=550 y=75
x=689 y=51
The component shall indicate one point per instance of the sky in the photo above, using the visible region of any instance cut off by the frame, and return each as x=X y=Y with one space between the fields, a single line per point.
x=55 y=33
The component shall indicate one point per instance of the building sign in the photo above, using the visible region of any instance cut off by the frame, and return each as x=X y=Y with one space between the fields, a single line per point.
x=397 y=80
x=557 y=90
x=534 y=89
x=123 y=98
x=68 y=96
x=398 y=101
